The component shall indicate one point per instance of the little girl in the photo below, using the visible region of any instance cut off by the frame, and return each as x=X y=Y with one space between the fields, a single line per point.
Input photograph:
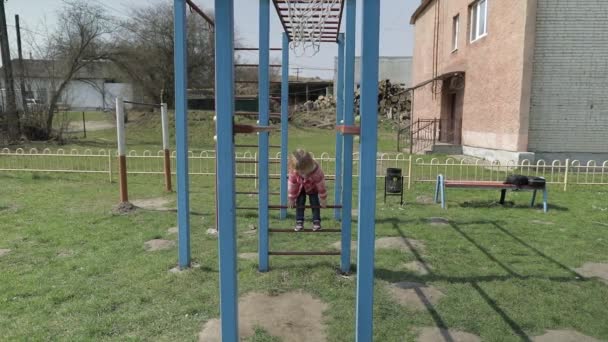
x=306 y=178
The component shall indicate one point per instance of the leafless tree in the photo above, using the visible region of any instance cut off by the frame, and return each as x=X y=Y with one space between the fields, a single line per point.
x=81 y=42
x=145 y=51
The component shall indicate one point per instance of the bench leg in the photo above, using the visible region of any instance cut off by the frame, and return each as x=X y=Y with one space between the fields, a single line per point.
x=533 y=199
x=442 y=189
x=545 y=204
x=503 y=194
x=437 y=184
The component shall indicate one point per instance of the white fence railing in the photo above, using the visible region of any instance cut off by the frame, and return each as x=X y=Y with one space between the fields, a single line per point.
x=415 y=170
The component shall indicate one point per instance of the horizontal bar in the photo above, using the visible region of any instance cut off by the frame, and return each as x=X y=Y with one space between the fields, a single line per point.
x=201 y=13
x=254 y=193
x=256 y=162
x=349 y=130
x=255 y=177
x=306 y=207
x=275 y=230
x=255 y=82
x=304 y=253
x=255 y=49
x=257 y=65
x=333 y=9
x=278 y=115
x=255 y=146
x=142 y=103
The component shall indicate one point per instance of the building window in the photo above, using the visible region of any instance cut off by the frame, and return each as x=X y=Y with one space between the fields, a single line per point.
x=455 y=32
x=479 y=19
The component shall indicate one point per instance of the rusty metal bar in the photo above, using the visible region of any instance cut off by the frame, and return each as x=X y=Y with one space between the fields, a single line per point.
x=306 y=207
x=254 y=49
x=257 y=65
x=200 y=12
x=320 y=253
x=275 y=230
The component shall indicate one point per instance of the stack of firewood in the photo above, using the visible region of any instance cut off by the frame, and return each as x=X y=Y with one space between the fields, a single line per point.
x=393 y=101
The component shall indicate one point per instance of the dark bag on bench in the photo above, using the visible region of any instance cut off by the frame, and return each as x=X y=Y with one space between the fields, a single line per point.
x=537 y=182
x=518 y=180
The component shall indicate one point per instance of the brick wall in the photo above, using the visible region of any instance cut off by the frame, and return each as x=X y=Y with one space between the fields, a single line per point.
x=569 y=104
x=494 y=108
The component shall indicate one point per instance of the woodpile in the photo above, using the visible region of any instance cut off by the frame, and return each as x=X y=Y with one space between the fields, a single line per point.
x=393 y=101
x=322 y=102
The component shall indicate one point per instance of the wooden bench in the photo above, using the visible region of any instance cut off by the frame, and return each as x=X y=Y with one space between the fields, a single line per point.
x=442 y=184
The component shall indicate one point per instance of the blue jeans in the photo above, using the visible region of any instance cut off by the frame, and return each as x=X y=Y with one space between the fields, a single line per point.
x=314 y=202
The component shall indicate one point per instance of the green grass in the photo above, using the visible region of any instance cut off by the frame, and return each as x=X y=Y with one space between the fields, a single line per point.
x=144 y=133
x=502 y=275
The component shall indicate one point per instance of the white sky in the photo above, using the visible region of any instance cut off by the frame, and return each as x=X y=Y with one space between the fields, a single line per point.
x=396 y=33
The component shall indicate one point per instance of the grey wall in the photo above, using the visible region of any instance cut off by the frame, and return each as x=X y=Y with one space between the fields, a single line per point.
x=569 y=105
x=396 y=69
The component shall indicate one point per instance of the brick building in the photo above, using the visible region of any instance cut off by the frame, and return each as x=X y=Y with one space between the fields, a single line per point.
x=514 y=79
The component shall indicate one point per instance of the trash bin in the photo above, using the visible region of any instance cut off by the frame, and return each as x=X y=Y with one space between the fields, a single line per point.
x=393 y=183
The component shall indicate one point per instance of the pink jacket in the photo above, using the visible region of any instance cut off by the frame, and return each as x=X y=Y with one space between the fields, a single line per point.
x=314 y=183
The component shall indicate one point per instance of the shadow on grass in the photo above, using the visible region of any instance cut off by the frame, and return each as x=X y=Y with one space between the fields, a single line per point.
x=507 y=204
x=393 y=276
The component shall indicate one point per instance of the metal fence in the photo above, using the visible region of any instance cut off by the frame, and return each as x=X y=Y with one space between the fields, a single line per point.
x=415 y=169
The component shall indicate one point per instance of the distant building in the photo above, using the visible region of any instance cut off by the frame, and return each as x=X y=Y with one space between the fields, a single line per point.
x=94 y=87
x=514 y=79
x=396 y=69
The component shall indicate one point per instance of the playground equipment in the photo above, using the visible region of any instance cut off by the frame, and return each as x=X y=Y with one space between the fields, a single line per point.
x=122 y=145
x=315 y=31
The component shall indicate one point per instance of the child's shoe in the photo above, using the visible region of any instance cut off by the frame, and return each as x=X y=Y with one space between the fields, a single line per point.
x=316 y=226
x=299 y=226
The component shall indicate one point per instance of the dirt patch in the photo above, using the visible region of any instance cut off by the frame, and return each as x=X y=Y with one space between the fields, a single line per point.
x=158 y=245
x=172 y=230
x=177 y=270
x=249 y=256
x=418 y=267
x=65 y=253
x=438 y=221
x=564 y=336
x=4 y=252
x=212 y=232
x=414 y=295
x=594 y=270
x=158 y=203
x=77 y=126
x=424 y=199
x=395 y=242
x=292 y=316
x=124 y=208
x=440 y=335
x=546 y=223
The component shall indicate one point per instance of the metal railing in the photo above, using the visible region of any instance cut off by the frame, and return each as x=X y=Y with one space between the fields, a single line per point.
x=418 y=136
x=415 y=169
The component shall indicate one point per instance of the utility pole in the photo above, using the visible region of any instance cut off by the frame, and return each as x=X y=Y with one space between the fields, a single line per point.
x=297 y=74
x=21 y=66
x=10 y=110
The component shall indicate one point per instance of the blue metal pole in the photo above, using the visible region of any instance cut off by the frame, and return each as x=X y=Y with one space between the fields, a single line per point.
x=367 y=169
x=181 y=133
x=264 y=109
x=349 y=120
x=224 y=106
x=339 y=121
x=284 y=121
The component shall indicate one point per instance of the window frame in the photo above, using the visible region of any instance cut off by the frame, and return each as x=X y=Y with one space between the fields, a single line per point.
x=455 y=31
x=475 y=19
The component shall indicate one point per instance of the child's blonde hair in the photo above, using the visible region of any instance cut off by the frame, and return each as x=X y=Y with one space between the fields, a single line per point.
x=302 y=161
